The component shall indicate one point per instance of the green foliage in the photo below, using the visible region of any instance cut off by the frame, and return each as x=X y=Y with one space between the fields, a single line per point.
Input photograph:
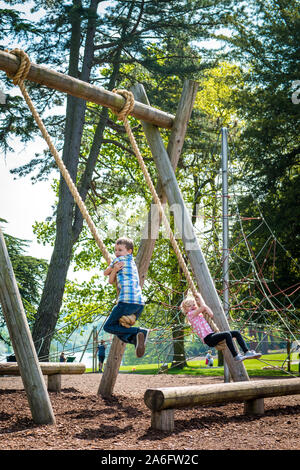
x=265 y=41
x=30 y=274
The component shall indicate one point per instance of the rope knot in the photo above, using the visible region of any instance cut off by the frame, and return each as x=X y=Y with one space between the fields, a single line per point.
x=129 y=103
x=23 y=69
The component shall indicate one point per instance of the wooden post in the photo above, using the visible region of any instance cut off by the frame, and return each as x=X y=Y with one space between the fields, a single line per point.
x=54 y=383
x=80 y=89
x=186 y=229
x=163 y=420
x=21 y=339
x=144 y=255
x=288 y=351
x=112 y=367
x=254 y=407
x=175 y=144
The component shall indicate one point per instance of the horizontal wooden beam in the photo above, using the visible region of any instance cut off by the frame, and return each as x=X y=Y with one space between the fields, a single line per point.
x=47 y=368
x=178 y=397
x=75 y=87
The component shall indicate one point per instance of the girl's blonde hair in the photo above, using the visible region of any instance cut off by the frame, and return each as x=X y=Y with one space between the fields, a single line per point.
x=184 y=303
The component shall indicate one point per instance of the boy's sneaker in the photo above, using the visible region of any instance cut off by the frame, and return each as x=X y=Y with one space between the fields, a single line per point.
x=146 y=333
x=141 y=340
x=252 y=355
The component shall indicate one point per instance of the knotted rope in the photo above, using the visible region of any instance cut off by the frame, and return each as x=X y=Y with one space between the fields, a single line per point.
x=122 y=115
x=18 y=79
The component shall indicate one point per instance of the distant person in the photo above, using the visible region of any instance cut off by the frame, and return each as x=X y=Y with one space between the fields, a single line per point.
x=209 y=360
x=62 y=357
x=101 y=354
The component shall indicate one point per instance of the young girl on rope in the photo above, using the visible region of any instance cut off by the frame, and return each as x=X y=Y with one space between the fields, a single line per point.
x=203 y=330
x=123 y=270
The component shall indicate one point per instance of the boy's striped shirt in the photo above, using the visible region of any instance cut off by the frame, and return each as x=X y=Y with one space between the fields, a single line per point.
x=128 y=281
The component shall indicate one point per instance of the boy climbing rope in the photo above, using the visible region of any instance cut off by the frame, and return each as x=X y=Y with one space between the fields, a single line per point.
x=123 y=270
x=203 y=330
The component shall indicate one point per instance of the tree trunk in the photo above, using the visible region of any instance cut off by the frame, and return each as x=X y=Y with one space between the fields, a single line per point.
x=263 y=339
x=179 y=359
x=69 y=219
x=253 y=342
x=66 y=233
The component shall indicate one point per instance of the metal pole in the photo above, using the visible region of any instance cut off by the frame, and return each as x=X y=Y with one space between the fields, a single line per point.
x=94 y=349
x=225 y=257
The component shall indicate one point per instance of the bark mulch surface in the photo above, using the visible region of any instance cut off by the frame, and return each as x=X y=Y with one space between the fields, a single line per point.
x=86 y=421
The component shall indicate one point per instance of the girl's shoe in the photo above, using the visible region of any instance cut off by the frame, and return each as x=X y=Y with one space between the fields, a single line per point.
x=239 y=358
x=252 y=355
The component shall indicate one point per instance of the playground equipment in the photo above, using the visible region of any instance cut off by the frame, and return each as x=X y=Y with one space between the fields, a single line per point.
x=53 y=370
x=165 y=160
x=163 y=401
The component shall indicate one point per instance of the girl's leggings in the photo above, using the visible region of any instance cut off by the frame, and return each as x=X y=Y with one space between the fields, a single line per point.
x=214 y=338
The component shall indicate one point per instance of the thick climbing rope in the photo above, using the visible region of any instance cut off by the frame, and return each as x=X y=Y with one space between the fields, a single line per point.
x=18 y=79
x=122 y=115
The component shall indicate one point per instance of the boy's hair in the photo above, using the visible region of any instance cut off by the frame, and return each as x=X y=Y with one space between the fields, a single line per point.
x=184 y=302
x=126 y=242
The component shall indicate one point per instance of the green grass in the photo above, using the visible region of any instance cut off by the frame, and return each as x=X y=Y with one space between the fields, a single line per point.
x=253 y=366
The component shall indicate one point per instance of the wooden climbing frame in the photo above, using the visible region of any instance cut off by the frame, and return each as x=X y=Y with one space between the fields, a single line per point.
x=151 y=119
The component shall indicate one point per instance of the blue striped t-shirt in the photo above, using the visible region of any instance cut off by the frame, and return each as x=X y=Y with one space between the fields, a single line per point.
x=128 y=282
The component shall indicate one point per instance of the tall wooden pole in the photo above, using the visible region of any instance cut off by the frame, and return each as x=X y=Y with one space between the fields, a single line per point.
x=144 y=255
x=192 y=248
x=21 y=339
x=174 y=149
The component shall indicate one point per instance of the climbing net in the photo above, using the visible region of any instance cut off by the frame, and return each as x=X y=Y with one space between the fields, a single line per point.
x=260 y=308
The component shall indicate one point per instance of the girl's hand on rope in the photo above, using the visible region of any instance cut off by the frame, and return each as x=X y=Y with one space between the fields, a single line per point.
x=206 y=309
x=202 y=307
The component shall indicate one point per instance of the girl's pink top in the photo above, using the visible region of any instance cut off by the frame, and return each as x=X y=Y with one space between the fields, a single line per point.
x=199 y=324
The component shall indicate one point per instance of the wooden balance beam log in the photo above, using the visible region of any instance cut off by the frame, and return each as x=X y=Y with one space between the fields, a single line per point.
x=53 y=370
x=163 y=401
